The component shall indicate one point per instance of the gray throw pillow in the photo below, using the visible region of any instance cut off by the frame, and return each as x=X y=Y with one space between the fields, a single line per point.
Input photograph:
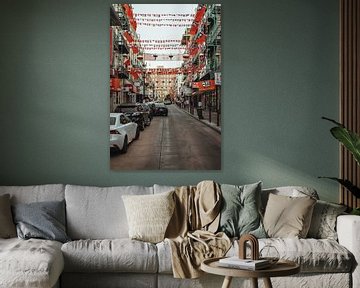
x=44 y=220
x=240 y=213
x=7 y=226
x=323 y=222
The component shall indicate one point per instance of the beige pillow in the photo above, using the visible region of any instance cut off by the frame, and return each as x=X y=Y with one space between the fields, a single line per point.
x=7 y=226
x=149 y=215
x=288 y=217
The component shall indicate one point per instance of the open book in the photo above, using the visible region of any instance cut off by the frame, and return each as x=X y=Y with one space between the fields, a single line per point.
x=236 y=262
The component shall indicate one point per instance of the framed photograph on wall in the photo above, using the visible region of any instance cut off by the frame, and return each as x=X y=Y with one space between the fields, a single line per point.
x=165 y=86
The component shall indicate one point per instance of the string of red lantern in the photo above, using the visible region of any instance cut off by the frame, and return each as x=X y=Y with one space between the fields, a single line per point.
x=165 y=19
x=164 y=71
x=163 y=15
x=160 y=41
x=162 y=44
x=176 y=46
x=166 y=48
x=164 y=25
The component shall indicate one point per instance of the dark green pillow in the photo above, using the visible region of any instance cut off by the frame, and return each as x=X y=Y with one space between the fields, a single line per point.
x=43 y=220
x=240 y=210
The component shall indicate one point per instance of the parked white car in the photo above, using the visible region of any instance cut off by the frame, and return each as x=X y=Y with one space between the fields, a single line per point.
x=122 y=131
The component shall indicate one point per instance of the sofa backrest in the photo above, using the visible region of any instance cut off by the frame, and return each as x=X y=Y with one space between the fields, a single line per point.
x=36 y=193
x=98 y=212
x=163 y=188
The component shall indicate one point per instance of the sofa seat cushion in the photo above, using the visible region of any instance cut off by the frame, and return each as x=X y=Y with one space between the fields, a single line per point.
x=30 y=263
x=110 y=255
x=313 y=255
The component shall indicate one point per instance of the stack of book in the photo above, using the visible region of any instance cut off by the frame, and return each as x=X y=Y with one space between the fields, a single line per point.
x=248 y=264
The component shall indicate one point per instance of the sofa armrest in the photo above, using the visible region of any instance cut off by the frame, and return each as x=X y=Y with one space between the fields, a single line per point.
x=348 y=230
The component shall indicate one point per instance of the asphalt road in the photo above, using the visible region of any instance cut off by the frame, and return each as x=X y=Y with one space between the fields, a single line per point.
x=175 y=142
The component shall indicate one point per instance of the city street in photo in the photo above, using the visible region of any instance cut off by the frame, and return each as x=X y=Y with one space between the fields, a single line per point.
x=165 y=87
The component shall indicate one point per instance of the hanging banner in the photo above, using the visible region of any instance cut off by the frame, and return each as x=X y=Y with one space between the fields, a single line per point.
x=129 y=12
x=128 y=37
x=200 y=14
x=201 y=39
x=193 y=29
x=115 y=84
x=135 y=49
x=206 y=85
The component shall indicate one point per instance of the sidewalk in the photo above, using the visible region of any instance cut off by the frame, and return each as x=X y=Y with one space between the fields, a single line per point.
x=206 y=116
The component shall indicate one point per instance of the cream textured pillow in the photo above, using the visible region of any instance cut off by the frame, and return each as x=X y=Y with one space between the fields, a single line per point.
x=7 y=226
x=288 y=217
x=149 y=215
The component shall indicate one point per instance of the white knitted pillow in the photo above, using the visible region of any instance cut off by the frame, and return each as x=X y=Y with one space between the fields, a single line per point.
x=149 y=215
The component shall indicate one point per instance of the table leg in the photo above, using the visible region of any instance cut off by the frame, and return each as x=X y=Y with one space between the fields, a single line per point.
x=227 y=282
x=254 y=282
x=267 y=283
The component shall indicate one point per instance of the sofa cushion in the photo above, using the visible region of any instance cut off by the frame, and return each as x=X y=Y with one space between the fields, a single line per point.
x=110 y=255
x=36 y=193
x=7 y=226
x=43 y=220
x=149 y=215
x=164 y=257
x=291 y=191
x=98 y=213
x=323 y=222
x=287 y=216
x=313 y=255
x=240 y=210
x=30 y=263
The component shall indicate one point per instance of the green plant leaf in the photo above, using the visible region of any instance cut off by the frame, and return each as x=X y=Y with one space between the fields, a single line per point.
x=348 y=138
x=347 y=184
x=355 y=211
x=333 y=121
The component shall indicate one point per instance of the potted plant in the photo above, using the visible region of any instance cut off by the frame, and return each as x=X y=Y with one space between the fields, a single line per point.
x=351 y=141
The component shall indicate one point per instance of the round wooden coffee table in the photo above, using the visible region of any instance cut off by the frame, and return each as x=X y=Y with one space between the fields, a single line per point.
x=281 y=268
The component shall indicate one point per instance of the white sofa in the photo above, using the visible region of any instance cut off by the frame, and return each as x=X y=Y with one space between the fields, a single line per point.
x=101 y=254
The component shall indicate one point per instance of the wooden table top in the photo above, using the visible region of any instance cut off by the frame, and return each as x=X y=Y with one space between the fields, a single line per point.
x=281 y=268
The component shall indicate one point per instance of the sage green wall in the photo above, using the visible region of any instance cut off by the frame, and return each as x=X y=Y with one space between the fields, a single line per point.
x=280 y=75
